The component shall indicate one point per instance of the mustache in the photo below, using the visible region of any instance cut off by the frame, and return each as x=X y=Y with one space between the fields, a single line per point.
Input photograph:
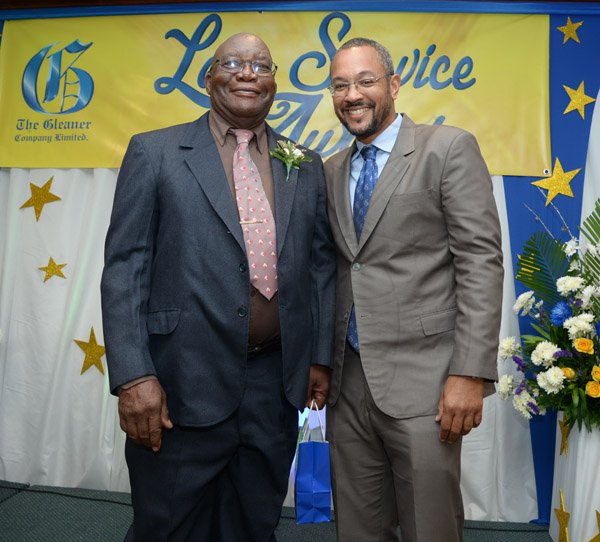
x=359 y=103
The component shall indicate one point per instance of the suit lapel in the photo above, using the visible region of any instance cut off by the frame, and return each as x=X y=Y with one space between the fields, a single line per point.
x=341 y=200
x=284 y=190
x=212 y=180
x=391 y=176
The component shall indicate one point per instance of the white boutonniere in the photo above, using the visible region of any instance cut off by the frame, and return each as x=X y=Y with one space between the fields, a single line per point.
x=290 y=155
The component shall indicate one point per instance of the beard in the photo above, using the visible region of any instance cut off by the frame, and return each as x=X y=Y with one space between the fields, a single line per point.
x=377 y=121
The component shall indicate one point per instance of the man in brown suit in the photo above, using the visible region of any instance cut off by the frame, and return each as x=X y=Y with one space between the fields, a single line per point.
x=418 y=308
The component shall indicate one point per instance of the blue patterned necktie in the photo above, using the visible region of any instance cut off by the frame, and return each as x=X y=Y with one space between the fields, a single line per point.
x=362 y=197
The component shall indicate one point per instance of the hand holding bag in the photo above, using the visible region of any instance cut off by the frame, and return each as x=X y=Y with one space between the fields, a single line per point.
x=313 y=479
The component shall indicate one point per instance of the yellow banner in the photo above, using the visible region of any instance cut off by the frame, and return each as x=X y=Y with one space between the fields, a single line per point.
x=73 y=91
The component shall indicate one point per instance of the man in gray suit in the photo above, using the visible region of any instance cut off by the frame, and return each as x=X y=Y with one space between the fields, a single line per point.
x=419 y=284
x=218 y=326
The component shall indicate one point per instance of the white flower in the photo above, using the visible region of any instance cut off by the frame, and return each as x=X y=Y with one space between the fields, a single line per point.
x=290 y=155
x=571 y=247
x=580 y=325
x=505 y=386
x=551 y=381
x=523 y=403
x=524 y=303
x=543 y=354
x=508 y=348
x=575 y=266
x=586 y=296
x=568 y=284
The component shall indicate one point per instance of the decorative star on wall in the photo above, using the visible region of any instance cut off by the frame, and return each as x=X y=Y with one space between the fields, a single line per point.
x=93 y=353
x=40 y=195
x=558 y=183
x=597 y=537
x=53 y=269
x=563 y=520
x=570 y=30
x=564 y=436
x=578 y=100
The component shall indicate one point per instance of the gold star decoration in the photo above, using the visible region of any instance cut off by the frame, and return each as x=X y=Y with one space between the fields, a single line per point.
x=578 y=100
x=564 y=436
x=93 y=353
x=558 y=182
x=563 y=520
x=40 y=195
x=570 y=30
x=597 y=537
x=53 y=269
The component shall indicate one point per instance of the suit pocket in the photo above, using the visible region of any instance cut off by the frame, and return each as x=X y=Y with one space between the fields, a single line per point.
x=438 y=322
x=412 y=198
x=162 y=322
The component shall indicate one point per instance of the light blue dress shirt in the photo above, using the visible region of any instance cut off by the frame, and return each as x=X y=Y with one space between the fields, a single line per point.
x=385 y=142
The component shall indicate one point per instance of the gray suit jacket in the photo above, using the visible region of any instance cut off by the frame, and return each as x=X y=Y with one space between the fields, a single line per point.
x=176 y=288
x=426 y=275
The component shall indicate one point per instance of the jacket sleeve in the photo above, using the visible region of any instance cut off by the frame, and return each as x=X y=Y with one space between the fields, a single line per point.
x=322 y=269
x=125 y=279
x=475 y=242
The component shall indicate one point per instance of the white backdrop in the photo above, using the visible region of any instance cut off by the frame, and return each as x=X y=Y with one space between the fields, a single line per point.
x=59 y=427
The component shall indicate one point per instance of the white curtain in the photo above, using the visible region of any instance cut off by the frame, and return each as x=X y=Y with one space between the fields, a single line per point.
x=497 y=464
x=59 y=427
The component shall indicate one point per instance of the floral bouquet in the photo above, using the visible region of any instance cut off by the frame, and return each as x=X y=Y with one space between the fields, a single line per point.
x=560 y=364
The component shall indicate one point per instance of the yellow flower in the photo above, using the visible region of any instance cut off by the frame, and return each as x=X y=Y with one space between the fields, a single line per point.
x=585 y=346
x=592 y=389
x=596 y=373
x=568 y=372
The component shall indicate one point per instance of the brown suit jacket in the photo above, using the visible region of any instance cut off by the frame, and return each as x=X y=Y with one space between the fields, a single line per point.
x=426 y=276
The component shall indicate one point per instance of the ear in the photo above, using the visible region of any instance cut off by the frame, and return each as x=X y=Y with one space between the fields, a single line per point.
x=208 y=82
x=395 y=85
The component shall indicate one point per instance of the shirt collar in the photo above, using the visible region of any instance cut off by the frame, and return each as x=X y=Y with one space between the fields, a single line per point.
x=220 y=128
x=386 y=140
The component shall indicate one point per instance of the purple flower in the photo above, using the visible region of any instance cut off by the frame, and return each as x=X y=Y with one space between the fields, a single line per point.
x=521 y=365
x=533 y=407
x=522 y=386
x=598 y=329
x=563 y=354
x=560 y=313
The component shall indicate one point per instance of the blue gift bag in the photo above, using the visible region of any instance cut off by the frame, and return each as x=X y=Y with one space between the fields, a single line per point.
x=313 y=479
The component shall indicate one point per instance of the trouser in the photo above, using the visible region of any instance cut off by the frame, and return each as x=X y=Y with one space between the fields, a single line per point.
x=390 y=472
x=224 y=483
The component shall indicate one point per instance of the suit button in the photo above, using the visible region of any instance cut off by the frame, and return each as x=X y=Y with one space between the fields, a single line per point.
x=243 y=267
x=356 y=266
x=242 y=311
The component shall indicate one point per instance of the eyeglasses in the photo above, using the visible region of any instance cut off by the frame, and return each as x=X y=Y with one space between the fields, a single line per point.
x=236 y=65
x=340 y=89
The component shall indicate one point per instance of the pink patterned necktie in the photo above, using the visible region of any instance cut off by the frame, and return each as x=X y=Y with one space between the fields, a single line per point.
x=256 y=218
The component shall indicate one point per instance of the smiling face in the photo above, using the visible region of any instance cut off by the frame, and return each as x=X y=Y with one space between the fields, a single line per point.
x=365 y=112
x=243 y=99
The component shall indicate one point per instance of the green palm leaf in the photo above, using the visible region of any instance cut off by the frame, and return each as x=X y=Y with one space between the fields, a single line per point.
x=543 y=262
x=591 y=225
x=590 y=261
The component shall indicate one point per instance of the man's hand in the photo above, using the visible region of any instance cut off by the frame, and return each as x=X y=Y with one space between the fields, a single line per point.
x=460 y=407
x=143 y=413
x=318 y=385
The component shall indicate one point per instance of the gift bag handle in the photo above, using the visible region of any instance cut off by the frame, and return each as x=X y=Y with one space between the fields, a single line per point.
x=305 y=429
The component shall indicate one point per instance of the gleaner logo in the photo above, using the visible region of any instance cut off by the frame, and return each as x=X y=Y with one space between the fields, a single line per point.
x=67 y=89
